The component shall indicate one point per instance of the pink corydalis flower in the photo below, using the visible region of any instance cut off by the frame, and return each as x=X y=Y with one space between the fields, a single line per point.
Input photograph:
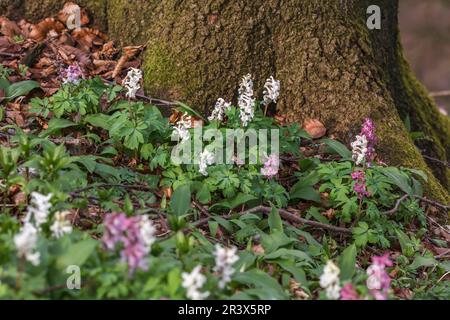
x=368 y=130
x=72 y=74
x=360 y=184
x=271 y=166
x=379 y=281
x=135 y=235
x=348 y=292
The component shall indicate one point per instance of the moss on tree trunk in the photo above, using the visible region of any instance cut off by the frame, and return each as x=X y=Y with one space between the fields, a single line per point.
x=331 y=66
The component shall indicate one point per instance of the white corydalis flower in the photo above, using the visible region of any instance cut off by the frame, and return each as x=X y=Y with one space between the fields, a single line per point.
x=359 y=149
x=26 y=243
x=147 y=232
x=182 y=127
x=271 y=90
x=193 y=282
x=206 y=159
x=61 y=225
x=246 y=101
x=132 y=82
x=39 y=209
x=329 y=280
x=219 y=110
x=225 y=258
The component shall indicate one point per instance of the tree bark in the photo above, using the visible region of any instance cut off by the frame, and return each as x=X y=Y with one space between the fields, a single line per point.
x=331 y=66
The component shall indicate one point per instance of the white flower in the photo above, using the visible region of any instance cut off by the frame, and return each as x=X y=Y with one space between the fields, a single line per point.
x=206 y=159
x=225 y=258
x=39 y=209
x=26 y=242
x=359 y=149
x=61 y=225
x=147 y=232
x=271 y=90
x=182 y=126
x=219 y=110
x=132 y=82
x=193 y=282
x=246 y=101
x=329 y=280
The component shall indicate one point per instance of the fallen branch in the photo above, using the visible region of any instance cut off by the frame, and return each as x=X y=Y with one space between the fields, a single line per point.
x=445 y=163
x=287 y=216
x=444 y=93
x=406 y=196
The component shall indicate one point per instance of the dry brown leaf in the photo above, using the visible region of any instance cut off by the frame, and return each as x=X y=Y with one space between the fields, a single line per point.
x=315 y=128
x=128 y=53
x=9 y=28
x=20 y=198
x=40 y=31
x=71 y=9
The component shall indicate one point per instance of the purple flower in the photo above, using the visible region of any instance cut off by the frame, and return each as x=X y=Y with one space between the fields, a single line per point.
x=348 y=292
x=360 y=184
x=271 y=166
x=134 y=234
x=378 y=281
x=72 y=74
x=368 y=130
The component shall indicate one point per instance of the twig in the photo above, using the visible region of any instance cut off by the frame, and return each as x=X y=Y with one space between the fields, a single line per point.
x=445 y=163
x=444 y=93
x=155 y=101
x=287 y=216
x=110 y=185
x=7 y=54
x=431 y=202
x=397 y=205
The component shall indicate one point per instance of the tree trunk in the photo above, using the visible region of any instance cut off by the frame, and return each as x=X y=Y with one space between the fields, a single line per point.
x=331 y=66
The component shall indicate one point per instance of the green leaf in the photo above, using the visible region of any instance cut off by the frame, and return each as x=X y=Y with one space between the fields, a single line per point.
x=240 y=199
x=338 y=147
x=99 y=120
x=21 y=88
x=184 y=108
x=77 y=253
x=347 y=262
x=275 y=222
x=181 y=200
x=4 y=83
x=271 y=289
x=299 y=191
x=398 y=178
x=57 y=124
x=420 y=262
x=406 y=244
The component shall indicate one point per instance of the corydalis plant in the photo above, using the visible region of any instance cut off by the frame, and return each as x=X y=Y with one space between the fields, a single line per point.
x=329 y=280
x=246 y=101
x=72 y=74
x=219 y=110
x=193 y=282
x=135 y=234
x=271 y=166
x=225 y=258
x=271 y=90
x=360 y=184
x=363 y=148
x=181 y=128
x=132 y=82
x=378 y=281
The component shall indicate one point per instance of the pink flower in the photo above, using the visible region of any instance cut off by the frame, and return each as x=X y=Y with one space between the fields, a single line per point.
x=134 y=234
x=368 y=130
x=378 y=281
x=360 y=184
x=72 y=74
x=348 y=292
x=271 y=166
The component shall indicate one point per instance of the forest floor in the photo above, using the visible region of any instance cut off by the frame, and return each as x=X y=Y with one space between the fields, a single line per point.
x=87 y=180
